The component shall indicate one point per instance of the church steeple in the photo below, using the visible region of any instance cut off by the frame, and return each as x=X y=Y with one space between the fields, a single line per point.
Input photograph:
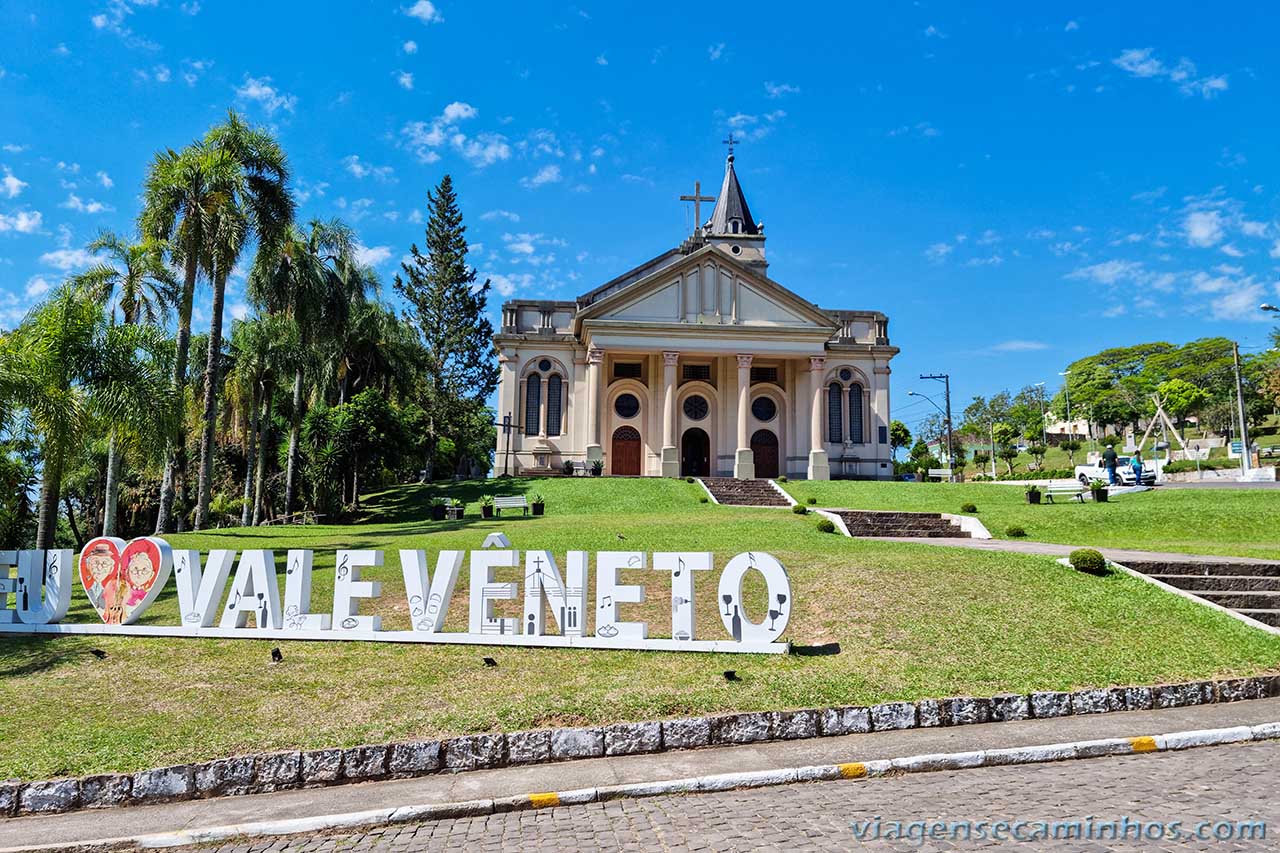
x=731 y=214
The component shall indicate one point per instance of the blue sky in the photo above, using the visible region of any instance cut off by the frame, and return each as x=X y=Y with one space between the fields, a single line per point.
x=1016 y=187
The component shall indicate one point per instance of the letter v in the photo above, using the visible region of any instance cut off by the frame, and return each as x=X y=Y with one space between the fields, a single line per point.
x=200 y=593
x=428 y=605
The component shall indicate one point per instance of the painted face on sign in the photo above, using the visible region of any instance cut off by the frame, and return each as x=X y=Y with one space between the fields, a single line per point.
x=100 y=564
x=140 y=570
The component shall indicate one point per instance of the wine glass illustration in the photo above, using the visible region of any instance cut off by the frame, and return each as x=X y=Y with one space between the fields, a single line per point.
x=727 y=599
x=773 y=614
x=782 y=599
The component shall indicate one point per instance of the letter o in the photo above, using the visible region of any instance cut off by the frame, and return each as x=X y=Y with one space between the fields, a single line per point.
x=778 y=584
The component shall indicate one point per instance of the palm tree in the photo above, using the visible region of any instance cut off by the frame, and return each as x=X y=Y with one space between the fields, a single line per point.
x=306 y=277
x=258 y=205
x=73 y=371
x=138 y=282
x=183 y=192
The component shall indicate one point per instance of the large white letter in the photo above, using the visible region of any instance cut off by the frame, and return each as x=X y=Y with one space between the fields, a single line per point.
x=568 y=598
x=44 y=586
x=348 y=589
x=778 y=586
x=484 y=591
x=200 y=593
x=254 y=590
x=428 y=603
x=8 y=584
x=682 y=566
x=610 y=593
x=297 y=595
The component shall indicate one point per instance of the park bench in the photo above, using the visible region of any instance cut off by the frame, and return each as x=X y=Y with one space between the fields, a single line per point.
x=940 y=473
x=1070 y=491
x=513 y=502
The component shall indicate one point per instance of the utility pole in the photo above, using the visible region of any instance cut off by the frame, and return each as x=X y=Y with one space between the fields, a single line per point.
x=945 y=378
x=991 y=424
x=1244 y=426
x=1044 y=427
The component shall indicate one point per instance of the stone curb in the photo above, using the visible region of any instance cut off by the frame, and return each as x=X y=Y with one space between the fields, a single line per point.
x=252 y=774
x=1076 y=750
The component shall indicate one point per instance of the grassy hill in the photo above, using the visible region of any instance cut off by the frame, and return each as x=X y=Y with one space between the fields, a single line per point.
x=910 y=621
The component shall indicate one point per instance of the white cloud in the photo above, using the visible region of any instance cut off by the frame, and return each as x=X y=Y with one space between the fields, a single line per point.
x=193 y=68
x=74 y=202
x=715 y=51
x=22 y=221
x=425 y=138
x=424 y=11
x=10 y=148
x=921 y=128
x=62 y=50
x=778 y=90
x=113 y=18
x=405 y=79
x=1020 y=346
x=933 y=32
x=490 y=215
x=37 y=286
x=68 y=259
x=239 y=310
x=360 y=169
x=162 y=73
x=1275 y=249
x=1071 y=27
x=1231 y=251
x=12 y=186
x=602 y=60
x=507 y=285
x=73 y=168
x=1142 y=62
x=938 y=252
x=1203 y=228
x=549 y=174
x=372 y=255
x=991 y=261
x=753 y=127
x=105 y=180
x=260 y=90
x=410 y=47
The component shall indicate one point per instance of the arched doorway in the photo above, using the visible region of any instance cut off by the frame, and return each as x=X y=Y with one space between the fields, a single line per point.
x=764 y=446
x=625 y=453
x=695 y=453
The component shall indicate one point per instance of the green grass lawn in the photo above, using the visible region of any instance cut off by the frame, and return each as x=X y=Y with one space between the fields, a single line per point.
x=911 y=621
x=1232 y=522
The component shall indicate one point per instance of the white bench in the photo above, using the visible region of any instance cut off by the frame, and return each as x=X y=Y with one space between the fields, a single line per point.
x=1071 y=491
x=513 y=502
x=940 y=473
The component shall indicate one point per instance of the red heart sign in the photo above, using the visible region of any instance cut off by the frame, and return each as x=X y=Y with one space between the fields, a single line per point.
x=122 y=580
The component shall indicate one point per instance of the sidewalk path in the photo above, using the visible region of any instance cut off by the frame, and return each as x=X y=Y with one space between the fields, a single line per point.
x=1119 y=555
x=109 y=823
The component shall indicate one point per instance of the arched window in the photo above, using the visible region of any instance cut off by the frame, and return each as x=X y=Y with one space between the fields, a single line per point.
x=532 y=404
x=855 y=414
x=835 y=413
x=553 y=404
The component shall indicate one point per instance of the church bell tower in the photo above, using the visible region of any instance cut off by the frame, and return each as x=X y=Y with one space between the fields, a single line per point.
x=731 y=226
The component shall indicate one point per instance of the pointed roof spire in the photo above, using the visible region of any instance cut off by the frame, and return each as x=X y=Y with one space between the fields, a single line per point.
x=731 y=215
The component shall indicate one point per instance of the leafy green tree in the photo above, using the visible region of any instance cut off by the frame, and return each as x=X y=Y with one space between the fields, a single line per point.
x=899 y=436
x=450 y=310
x=1180 y=399
x=135 y=279
x=1071 y=446
x=72 y=372
x=1037 y=452
x=1008 y=454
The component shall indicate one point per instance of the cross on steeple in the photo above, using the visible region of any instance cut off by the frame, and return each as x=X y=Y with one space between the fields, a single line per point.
x=730 y=142
x=697 y=198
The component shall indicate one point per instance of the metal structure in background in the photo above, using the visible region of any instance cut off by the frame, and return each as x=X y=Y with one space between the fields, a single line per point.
x=1244 y=423
x=1044 y=426
x=945 y=379
x=507 y=425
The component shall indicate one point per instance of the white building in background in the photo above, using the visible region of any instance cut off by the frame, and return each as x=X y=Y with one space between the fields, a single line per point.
x=696 y=363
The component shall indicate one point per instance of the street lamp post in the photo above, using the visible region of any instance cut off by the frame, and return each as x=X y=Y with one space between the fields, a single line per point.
x=945 y=378
x=1066 y=387
x=947 y=420
x=1044 y=427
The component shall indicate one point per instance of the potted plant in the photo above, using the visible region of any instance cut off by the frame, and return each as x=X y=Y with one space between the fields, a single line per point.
x=566 y=467
x=455 y=510
x=1099 y=490
x=537 y=504
x=1033 y=494
x=597 y=467
x=437 y=509
x=486 y=506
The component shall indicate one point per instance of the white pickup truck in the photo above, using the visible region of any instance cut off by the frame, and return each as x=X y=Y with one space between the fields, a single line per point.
x=1124 y=472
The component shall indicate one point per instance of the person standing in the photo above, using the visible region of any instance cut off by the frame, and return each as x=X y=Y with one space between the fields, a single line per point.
x=1109 y=461
x=1136 y=463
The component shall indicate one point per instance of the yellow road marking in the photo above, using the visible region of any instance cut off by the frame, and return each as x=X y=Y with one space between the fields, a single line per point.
x=853 y=770
x=543 y=801
x=1143 y=744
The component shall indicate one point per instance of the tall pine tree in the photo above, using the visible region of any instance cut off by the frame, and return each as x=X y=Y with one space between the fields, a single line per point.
x=450 y=310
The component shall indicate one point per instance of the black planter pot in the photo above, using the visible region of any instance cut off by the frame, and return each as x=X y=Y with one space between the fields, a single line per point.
x=1033 y=497
x=437 y=513
x=595 y=472
x=1100 y=496
x=486 y=512
x=537 y=508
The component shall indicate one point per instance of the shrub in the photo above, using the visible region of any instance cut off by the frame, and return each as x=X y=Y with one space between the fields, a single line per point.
x=703 y=499
x=782 y=479
x=1089 y=561
x=1033 y=490
x=567 y=467
x=800 y=509
x=688 y=479
x=968 y=507
x=1183 y=466
x=1015 y=531
x=826 y=525
x=811 y=501
x=536 y=498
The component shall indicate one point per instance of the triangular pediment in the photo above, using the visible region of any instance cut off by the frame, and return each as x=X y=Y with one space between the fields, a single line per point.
x=708 y=285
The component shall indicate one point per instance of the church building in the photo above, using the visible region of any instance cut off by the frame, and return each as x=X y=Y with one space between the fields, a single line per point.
x=696 y=363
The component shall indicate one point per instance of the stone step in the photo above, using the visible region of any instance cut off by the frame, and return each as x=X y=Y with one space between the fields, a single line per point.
x=921 y=525
x=1206 y=569
x=1231 y=583
x=1236 y=600
x=1266 y=617
x=734 y=492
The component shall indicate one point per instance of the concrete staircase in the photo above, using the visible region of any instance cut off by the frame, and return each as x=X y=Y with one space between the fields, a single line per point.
x=921 y=525
x=731 y=491
x=1251 y=589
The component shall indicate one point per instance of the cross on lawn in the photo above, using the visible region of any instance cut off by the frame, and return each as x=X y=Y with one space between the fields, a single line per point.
x=697 y=198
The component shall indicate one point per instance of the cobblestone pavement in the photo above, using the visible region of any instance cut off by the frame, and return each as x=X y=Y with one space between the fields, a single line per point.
x=1225 y=783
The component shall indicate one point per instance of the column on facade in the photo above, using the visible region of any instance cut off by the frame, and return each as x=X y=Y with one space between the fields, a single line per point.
x=819 y=467
x=508 y=402
x=670 y=456
x=744 y=463
x=595 y=391
x=881 y=415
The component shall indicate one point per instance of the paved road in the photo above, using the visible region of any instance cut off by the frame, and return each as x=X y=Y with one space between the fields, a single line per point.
x=1226 y=783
